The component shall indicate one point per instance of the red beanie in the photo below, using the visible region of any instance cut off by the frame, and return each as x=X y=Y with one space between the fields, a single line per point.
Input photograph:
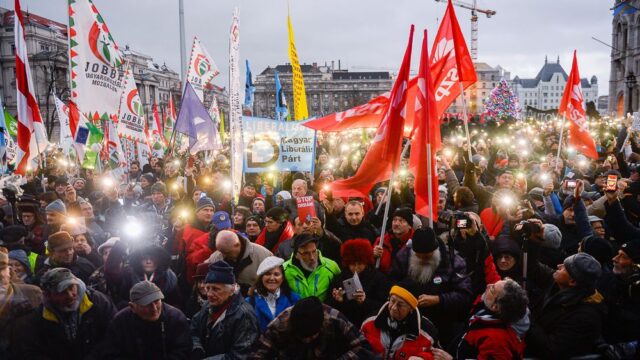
x=356 y=250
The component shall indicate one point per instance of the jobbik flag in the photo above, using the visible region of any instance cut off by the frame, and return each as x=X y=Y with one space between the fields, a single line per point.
x=202 y=69
x=451 y=65
x=300 y=110
x=572 y=108
x=131 y=121
x=94 y=58
x=194 y=121
x=32 y=137
x=384 y=154
x=277 y=145
x=235 y=105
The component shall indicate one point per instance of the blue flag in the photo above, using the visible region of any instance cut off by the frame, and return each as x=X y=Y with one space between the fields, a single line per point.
x=249 y=89
x=195 y=122
x=281 y=101
x=624 y=7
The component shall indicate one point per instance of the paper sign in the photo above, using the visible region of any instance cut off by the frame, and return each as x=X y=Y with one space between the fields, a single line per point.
x=306 y=208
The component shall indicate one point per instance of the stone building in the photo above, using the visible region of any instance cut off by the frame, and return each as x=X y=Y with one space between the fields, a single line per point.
x=488 y=78
x=625 y=60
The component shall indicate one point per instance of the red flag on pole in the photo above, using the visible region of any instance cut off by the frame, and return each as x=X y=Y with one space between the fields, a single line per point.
x=426 y=132
x=384 y=153
x=572 y=107
x=450 y=63
x=32 y=137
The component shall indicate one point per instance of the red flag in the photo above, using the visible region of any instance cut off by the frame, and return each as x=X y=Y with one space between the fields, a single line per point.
x=31 y=133
x=426 y=130
x=74 y=117
x=384 y=154
x=450 y=64
x=572 y=108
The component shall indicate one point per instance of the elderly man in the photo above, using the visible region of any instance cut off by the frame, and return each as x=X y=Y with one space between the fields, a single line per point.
x=227 y=326
x=244 y=256
x=328 y=243
x=62 y=254
x=568 y=320
x=300 y=188
x=399 y=331
x=497 y=327
x=29 y=214
x=394 y=240
x=16 y=301
x=443 y=295
x=71 y=323
x=148 y=328
x=307 y=271
x=310 y=330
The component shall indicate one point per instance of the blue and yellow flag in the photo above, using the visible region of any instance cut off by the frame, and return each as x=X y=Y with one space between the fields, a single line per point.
x=300 y=109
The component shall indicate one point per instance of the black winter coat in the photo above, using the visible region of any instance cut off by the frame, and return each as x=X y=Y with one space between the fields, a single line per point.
x=40 y=335
x=130 y=337
x=81 y=268
x=345 y=231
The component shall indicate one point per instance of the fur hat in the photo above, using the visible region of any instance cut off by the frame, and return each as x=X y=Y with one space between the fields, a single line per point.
x=59 y=241
x=356 y=250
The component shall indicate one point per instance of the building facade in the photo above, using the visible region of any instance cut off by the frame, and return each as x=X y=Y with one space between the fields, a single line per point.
x=488 y=79
x=47 y=48
x=328 y=89
x=544 y=92
x=625 y=61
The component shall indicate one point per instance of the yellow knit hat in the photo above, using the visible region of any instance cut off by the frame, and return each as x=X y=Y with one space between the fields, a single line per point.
x=405 y=295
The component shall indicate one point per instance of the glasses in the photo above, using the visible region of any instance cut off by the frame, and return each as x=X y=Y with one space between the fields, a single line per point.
x=308 y=253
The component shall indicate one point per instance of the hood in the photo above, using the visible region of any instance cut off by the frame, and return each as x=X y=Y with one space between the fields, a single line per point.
x=161 y=255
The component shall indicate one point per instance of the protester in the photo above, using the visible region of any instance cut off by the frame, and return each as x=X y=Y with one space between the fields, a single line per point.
x=277 y=229
x=62 y=254
x=401 y=231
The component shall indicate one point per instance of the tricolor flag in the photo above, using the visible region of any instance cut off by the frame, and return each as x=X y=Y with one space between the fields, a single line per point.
x=572 y=107
x=32 y=138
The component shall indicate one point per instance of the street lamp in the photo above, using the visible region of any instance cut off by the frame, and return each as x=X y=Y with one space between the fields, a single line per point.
x=631 y=83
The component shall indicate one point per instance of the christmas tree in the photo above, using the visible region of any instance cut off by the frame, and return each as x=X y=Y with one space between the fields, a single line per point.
x=502 y=103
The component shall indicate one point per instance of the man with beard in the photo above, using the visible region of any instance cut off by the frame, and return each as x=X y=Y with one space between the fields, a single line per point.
x=277 y=229
x=56 y=213
x=307 y=271
x=622 y=323
x=245 y=257
x=328 y=243
x=444 y=295
x=61 y=254
x=352 y=225
x=401 y=232
x=70 y=324
x=28 y=213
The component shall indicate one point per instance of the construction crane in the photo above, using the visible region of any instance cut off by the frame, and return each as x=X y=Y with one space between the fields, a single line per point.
x=474 y=23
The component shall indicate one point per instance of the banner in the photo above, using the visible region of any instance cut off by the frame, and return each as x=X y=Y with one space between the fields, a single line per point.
x=301 y=112
x=235 y=106
x=95 y=82
x=201 y=69
x=131 y=120
x=66 y=139
x=281 y=145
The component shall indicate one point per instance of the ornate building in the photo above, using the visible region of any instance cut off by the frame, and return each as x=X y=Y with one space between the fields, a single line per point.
x=625 y=60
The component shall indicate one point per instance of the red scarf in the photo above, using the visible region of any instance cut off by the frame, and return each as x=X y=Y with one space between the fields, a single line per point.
x=287 y=233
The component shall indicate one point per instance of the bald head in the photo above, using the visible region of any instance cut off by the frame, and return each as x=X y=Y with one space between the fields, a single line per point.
x=298 y=188
x=229 y=245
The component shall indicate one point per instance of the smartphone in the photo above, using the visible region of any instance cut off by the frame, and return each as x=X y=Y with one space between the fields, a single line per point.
x=571 y=184
x=351 y=285
x=612 y=183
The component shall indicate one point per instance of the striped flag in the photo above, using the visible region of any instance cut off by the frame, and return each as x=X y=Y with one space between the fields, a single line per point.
x=32 y=137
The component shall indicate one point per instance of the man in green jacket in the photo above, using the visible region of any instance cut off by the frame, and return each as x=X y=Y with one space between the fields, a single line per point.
x=307 y=272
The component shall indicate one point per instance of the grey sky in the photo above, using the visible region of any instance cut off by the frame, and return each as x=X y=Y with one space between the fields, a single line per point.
x=364 y=34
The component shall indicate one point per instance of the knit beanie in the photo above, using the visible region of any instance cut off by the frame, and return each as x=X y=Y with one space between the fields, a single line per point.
x=404 y=213
x=424 y=241
x=56 y=207
x=632 y=249
x=21 y=256
x=405 y=295
x=220 y=272
x=149 y=177
x=306 y=317
x=552 y=236
x=278 y=214
x=599 y=248
x=584 y=269
x=204 y=202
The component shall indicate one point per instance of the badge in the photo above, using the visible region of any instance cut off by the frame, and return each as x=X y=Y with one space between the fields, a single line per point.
x=437 y=280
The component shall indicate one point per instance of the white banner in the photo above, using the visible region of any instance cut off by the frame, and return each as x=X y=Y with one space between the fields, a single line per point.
x=235 y=105
x=95 y=82
x=131 y=120
x=66 y=139
x=202 y=69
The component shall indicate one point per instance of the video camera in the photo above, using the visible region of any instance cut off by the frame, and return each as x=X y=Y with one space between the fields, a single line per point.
x=527 y=228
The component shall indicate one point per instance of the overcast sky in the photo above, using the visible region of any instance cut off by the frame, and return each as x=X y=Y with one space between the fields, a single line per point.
x=363 y=34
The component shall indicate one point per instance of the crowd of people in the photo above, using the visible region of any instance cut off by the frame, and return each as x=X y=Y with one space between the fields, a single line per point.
x=531 y=256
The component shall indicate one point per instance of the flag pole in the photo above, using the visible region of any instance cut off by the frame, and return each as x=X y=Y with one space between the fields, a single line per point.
x=560 y=142
x=386 y=192
x=464 y=117
x=429 y=185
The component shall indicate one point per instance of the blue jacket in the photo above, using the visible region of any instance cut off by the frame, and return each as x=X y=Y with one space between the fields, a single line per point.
x=262 y=308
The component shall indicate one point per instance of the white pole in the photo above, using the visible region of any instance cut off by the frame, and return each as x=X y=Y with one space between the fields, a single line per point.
x=183 y=50
x=386 y=192
x=464 y=115
x=560 y=143
x=429 y=185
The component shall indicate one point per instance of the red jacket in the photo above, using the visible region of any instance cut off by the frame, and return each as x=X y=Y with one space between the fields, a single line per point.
x=391 y=246
x=490 y=338
x=416 y=342
x=287 y=233
x=189 y=236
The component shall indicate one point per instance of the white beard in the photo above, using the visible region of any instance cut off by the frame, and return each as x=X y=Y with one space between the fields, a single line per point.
x=421 y=271
x=307 y=267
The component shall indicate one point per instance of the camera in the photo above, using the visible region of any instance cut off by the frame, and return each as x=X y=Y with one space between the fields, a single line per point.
x=457 y=219
x=526 y=227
